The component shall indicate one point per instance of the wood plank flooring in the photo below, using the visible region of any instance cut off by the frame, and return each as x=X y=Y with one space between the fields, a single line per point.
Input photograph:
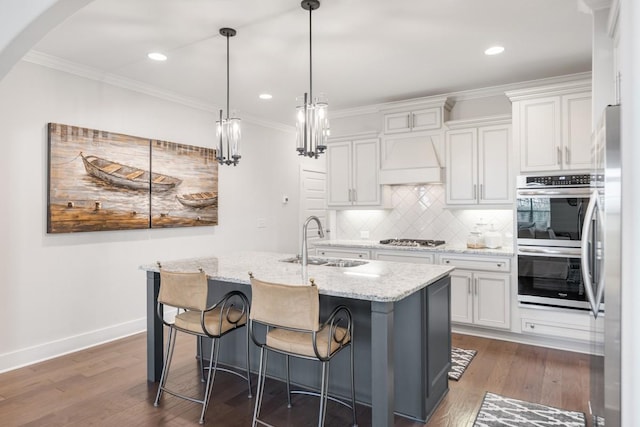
x=107 y=386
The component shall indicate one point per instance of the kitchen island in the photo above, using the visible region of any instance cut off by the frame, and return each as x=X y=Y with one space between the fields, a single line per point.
x=402 y=326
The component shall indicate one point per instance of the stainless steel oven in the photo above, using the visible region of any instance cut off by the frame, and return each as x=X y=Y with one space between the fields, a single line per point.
x=551 y=211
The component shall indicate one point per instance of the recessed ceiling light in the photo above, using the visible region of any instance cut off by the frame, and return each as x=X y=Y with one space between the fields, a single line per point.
x=157 y=56
x=494 y=50
x=265 y=96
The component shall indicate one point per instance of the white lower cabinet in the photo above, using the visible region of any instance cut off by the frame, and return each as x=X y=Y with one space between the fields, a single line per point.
x=481 y=298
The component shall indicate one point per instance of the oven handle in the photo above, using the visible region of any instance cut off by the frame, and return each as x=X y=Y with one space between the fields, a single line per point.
x=558 y=192
x=549 y=251
x=586 y=264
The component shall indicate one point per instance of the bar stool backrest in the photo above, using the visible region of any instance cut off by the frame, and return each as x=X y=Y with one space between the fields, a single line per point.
x=184 y=290
x=288 y=306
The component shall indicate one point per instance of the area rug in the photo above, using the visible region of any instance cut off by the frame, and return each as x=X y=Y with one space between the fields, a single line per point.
x=460 y=359
x=500 y=411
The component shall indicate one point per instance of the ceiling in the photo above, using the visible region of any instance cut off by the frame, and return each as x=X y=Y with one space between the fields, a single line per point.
x=364 y=51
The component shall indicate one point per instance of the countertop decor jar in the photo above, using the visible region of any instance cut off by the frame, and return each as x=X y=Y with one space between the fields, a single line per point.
x=475 y=240
x=492 y=238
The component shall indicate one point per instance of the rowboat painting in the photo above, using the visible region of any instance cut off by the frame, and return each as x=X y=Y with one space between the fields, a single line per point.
x=127 y=176
x=100 y=180
x=198 y=200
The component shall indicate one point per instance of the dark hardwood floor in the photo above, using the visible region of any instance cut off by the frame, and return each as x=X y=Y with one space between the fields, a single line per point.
x=107 y=386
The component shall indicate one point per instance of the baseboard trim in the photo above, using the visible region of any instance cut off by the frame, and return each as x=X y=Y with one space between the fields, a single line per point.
x=536 y=340
x=52 y=349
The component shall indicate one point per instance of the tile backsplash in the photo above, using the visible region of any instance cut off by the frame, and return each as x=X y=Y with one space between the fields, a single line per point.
x=420 y=212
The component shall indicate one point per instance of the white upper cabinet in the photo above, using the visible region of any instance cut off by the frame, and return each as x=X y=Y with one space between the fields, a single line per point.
x=478 y=161
x=352 y=173
x=552 y=127
x=413 y=117
x=408 y=121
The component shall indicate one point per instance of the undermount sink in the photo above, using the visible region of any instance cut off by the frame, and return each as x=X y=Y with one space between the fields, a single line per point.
x=326 y=262
x=344 y=263
x=310 y=260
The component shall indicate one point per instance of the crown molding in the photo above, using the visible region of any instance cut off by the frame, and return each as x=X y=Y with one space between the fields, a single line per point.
x=90 y=73
x=559 y=88
x=503 y=119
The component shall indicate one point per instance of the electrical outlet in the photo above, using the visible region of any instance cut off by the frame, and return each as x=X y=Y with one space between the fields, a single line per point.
x=262 y=223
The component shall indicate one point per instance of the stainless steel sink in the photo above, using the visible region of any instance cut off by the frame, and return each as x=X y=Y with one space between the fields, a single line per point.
x=345 y=263
x=310 y=260
x=326 y=262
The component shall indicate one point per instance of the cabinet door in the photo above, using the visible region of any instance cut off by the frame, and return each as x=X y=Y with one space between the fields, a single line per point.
x=339 y=174
x=492 y=303
x=539 y=134
x=427 y=119
x=461 y=180
x=461 y=296
x=366 y=189
x=576 y=130
x=494 y=159
x=397 y=122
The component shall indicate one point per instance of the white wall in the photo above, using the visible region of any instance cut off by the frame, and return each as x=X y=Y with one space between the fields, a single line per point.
x=64 y=291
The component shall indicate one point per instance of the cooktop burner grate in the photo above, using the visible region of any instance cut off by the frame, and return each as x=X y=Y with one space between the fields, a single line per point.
x=412 y=242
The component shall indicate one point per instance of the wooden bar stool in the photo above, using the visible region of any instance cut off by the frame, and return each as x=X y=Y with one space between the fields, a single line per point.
x=188 y=293
x=291 y=316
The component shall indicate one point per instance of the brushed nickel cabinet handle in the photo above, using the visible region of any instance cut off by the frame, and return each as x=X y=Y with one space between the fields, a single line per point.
x=566 y=155
x=482 y=196
x=475 y=192
x=559 y=156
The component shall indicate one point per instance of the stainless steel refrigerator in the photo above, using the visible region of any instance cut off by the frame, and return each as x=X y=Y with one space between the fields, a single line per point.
x=601 y=244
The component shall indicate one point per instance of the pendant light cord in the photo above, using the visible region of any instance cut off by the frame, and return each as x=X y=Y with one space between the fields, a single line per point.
x=227 y=77
x=310 y=60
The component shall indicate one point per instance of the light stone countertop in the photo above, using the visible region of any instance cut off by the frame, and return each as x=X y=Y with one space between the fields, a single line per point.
x=374 y=244
x=374 y=281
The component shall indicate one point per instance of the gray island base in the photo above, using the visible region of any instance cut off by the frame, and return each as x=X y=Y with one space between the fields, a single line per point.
x=402 y=327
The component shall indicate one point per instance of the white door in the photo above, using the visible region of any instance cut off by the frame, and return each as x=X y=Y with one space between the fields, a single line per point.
x=462 y=155
x=366 y=189
x=339 y=167
x=540 y=134
x=313 y=201
x=461 y=296
x=492 y=300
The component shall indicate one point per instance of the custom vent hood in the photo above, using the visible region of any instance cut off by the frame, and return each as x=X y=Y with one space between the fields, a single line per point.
x=411 y=159
x=412 y=144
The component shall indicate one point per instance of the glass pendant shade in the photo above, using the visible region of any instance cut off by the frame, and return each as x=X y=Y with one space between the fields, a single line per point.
x=312 y=127
x=228 y=134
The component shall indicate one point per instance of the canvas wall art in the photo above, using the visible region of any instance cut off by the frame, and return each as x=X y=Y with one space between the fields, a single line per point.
x=100 y=180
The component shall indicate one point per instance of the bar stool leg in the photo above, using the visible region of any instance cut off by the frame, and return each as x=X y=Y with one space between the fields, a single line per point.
x=324 y=389
x=286 y=362
x=248 y=364
x=213 y=366
x=262 y=370
x=165 y=368
x=353 y=387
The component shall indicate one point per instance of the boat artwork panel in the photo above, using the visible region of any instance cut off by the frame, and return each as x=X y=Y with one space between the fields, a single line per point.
x=100 y=180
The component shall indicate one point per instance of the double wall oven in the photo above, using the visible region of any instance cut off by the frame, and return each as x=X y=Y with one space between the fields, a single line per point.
x=551 y=212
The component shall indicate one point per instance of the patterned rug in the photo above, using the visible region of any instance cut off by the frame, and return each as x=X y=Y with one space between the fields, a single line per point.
x=460 y=359
x=500 y=411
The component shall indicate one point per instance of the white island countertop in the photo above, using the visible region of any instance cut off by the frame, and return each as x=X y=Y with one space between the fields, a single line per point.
x=374 y=281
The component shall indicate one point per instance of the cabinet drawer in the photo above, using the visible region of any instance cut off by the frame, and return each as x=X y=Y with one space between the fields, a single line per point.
x=405 y=257
x=344 y=253
x=479 y=263
x=580 y=332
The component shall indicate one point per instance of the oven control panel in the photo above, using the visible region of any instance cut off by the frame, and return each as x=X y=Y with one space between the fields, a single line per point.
x=582 y=180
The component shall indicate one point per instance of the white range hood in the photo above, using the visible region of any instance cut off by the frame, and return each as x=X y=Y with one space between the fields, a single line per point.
x=411 y=158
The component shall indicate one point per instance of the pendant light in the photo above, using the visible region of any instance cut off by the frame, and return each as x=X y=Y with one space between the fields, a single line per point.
x=228 y=129
x=312 y=121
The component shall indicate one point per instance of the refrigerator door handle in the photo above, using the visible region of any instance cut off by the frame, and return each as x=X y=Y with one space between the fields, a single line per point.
x=600 y=285
x=586 y=266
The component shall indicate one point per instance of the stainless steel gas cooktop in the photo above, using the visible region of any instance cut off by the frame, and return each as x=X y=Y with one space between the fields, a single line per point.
x=412 y=242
